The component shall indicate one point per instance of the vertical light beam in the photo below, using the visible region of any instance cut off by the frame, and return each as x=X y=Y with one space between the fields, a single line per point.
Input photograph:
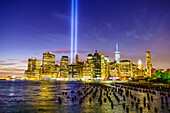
x=72 y=28
x=117 y=47
x=76 y=13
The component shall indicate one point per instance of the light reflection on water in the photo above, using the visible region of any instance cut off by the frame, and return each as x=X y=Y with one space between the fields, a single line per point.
x=42 y=96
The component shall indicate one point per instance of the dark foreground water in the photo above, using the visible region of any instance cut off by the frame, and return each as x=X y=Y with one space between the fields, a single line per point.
x=42 y=96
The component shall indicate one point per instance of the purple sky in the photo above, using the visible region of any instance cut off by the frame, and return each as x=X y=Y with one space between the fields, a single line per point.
x=28 y=28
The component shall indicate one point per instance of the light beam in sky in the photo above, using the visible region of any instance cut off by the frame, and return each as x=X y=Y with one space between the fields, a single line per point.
x=74 y=22
x=76 y=11
x=72 y=28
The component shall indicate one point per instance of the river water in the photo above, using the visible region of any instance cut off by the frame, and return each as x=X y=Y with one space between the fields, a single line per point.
x=42 y=96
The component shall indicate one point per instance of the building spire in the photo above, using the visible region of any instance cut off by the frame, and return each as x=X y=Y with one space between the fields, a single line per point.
x=117 y=54
x=117 y=47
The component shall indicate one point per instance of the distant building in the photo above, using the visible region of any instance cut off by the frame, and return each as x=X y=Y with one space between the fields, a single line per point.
x=64 y=67
x=97 y=65
x=162 y=70
x=148 y=63
x=77 y=59
x=86 y=71
x=168 y=70
x=112 y=69
x=135 y=70
x=153 y=72
x=33 y=70
x=48 y=65
x=57 y=72
x=139 y=64
x=103 y=72
x=90 y=63
x=73 y=71
x=125 y=68
x=90 y=59
x=80 y=65
x=117 y=55
x=106 y=64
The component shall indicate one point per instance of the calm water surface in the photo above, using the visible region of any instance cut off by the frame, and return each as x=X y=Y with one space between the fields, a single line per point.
x=42 y=96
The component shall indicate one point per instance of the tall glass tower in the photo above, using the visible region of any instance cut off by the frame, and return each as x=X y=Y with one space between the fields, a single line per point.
x=148 y=63
x=117 y=55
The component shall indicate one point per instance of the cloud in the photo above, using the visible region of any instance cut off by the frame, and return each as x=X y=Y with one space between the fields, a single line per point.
x=102 y=39
x=2 y=61
x=5 y=74
x=60 y=16
x=60 y=51
x=11 y=69
x=109 y=25
x=52 y=38
x=23 y=61
x=8 y=63
x=14 y=51
x=11 y=61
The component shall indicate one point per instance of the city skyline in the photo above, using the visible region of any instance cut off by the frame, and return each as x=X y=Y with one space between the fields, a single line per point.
x=24 y=32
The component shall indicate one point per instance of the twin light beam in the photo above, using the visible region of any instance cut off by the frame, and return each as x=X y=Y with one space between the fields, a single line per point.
x=74 y=11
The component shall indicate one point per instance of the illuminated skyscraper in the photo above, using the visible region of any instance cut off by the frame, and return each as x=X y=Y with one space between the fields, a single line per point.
x=148 y=63
x=112 y=69
x=73 y=71
x=86 y=71
x=89 y=59
x=97 y=65
x=57 y=71
x=90 y=62
x=64 y=67
x=125 y=68
x=33 y=70
x=117 y=55
x=139 y=64
x=103 y=72
x=107 y=62
x=77 y=59
x=48 y=65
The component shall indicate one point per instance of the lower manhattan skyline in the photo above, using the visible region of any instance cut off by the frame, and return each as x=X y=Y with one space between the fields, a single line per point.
x=85 y=56
x=29 y=29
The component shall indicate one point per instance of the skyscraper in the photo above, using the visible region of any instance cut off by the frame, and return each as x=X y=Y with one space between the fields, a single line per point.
x=72 y=71
x=48 y=65
x=77 y=59
x=148 y=63
x=139 y=64
x=86 y=70
x=64 y=67
x=103 y=72
x=97 y=65
x=33 y=70
x=117 y=55
x=125 y=68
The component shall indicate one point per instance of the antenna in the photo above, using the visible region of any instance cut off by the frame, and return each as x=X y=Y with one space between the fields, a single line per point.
x=116 y=47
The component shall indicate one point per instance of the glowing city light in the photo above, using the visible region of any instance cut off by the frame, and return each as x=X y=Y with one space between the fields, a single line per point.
x=76 y=12
x=139 y=64
x=117 y=54
x=74 y=22
x=116 y=46
x=72 y=28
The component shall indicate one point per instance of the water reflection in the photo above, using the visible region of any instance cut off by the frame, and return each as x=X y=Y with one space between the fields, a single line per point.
x=42 y=96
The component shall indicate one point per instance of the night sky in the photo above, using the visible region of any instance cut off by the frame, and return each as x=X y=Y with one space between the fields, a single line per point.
x=28 y=28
